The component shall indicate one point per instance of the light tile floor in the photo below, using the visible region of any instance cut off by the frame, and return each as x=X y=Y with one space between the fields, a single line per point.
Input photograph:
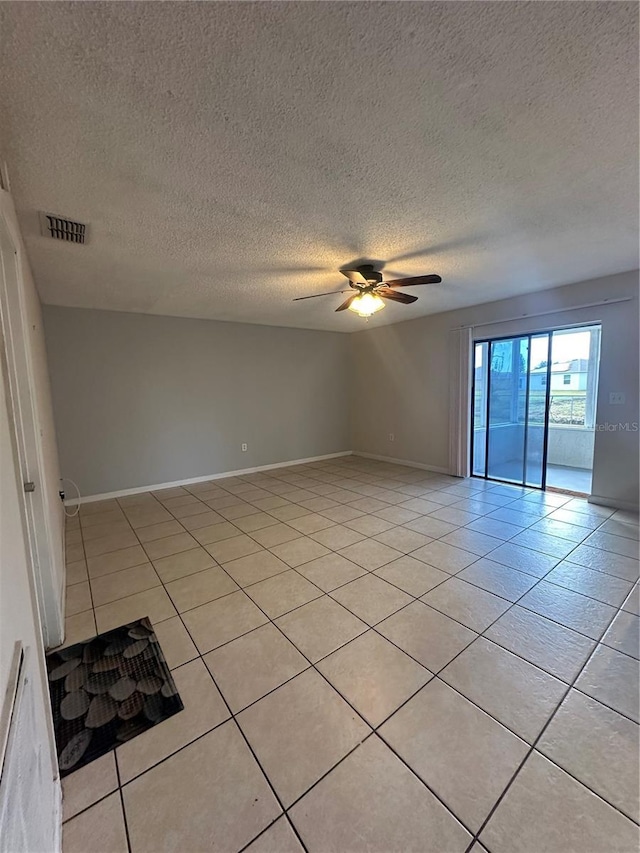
x=371 y=658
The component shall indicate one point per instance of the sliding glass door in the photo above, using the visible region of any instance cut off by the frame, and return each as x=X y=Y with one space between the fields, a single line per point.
x=510 y=404
x=534 y=408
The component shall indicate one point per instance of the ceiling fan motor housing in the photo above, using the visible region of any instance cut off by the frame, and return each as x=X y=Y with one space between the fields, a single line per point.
x=372 y=275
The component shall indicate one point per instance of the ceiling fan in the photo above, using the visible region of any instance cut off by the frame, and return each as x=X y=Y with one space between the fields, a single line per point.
x=371 y=290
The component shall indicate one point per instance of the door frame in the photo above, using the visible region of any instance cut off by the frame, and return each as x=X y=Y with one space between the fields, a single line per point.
x=27 y=680
x=545 y=440
x=569 y=327
x=13 y=320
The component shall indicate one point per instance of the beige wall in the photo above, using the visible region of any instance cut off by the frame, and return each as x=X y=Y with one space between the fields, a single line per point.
x=141 y=400
x=400 y=376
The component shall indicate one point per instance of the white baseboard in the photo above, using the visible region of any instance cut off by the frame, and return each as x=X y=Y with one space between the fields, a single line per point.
x=191 y=480
x=611 y=502
x=406 y=462
x=594 y=499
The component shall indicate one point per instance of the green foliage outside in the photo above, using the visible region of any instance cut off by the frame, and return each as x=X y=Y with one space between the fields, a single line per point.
x=565 y=409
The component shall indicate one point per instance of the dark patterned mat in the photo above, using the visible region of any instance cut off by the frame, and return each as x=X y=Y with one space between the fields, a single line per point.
x=107 y=690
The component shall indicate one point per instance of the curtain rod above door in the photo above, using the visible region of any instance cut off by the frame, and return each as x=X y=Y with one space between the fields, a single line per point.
x=546 y=313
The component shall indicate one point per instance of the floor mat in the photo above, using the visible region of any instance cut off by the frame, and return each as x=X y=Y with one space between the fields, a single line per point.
x=107 y=690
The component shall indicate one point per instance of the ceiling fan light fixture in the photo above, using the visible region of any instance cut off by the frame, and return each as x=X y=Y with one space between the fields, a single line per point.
x=366 y=304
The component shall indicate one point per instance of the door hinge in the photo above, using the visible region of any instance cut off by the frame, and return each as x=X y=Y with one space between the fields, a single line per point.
x=30 y=487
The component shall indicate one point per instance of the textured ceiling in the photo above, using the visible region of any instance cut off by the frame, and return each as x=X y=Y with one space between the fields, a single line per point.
x=231 y=156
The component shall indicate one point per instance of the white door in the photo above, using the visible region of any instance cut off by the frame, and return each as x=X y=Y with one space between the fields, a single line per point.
x=29 y=783
x=49 y=588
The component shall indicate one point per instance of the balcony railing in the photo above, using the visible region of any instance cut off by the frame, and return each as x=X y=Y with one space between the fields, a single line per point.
x=567 y=410
x=564 y=410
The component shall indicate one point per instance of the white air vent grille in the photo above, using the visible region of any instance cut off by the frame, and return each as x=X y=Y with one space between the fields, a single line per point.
x=59 y=228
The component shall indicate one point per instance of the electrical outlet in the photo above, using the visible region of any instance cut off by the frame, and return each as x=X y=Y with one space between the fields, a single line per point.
x=243 y=447
x=392 y=437
x=617 y=398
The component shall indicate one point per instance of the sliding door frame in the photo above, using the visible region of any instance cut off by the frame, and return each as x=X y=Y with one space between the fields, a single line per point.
x=547 y=410
x=526 y=417
x=545 y=442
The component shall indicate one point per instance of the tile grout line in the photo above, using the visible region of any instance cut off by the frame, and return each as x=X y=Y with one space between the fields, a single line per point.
x=478 y=557
x=369 y=627
x=437 y=673
x=415 y=597
x=122 y=806
x=179 y=520
x=372 y=730
x=483 y=556
x=233 y=716
x=284 y=816
x=374 y=571
x=294 y=568
x=375 y=728
x=531 y=750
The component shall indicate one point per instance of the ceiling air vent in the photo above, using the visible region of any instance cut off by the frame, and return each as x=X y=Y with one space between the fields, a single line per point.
x=60 y=228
